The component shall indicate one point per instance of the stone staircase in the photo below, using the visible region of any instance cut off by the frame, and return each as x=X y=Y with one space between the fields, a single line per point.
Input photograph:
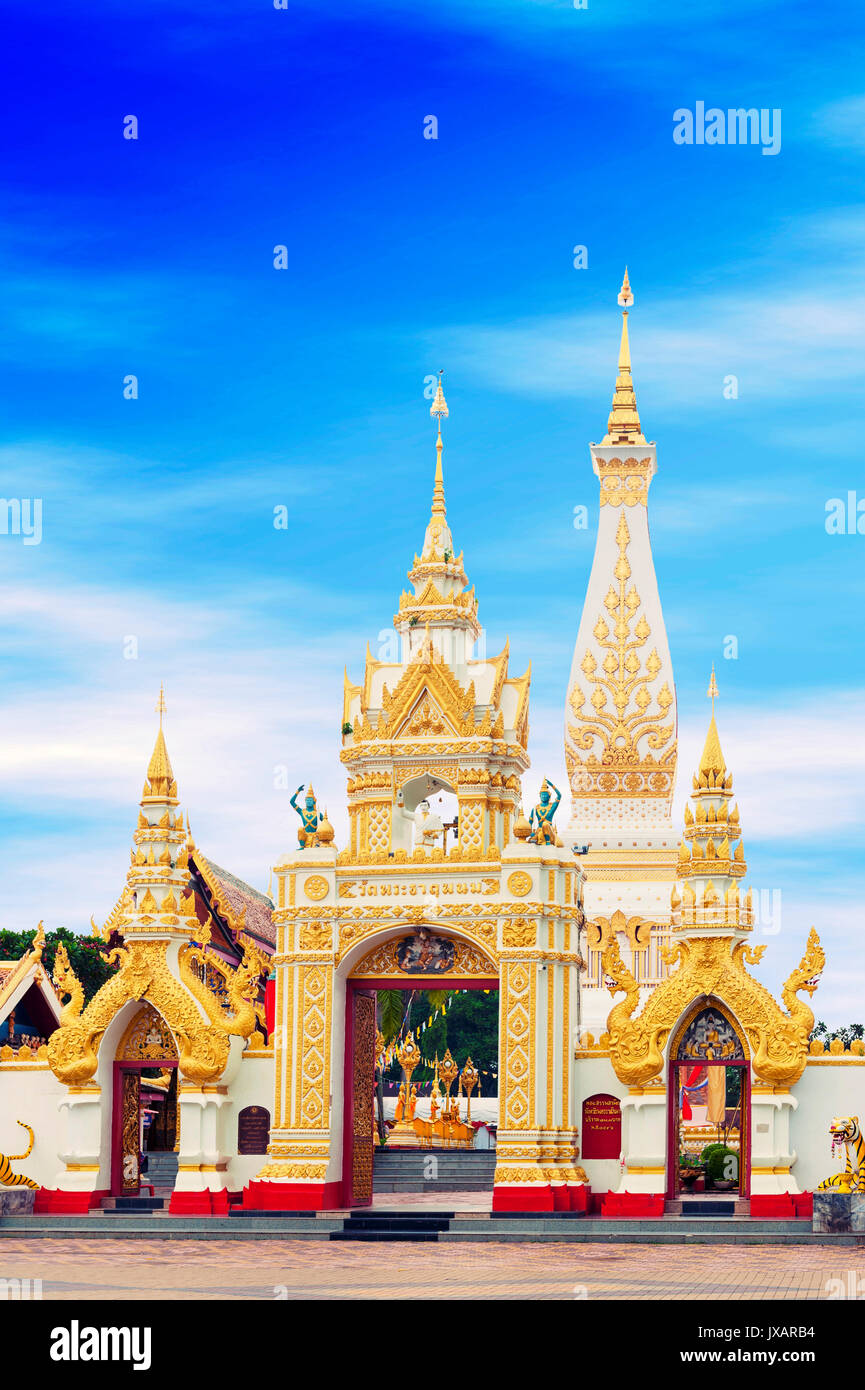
x=701 y=1207
x=134 y=1206
x=162 y=1174
x=161 y=1171
x=433 y=1170
x=394 y=1225
x=418 y=1226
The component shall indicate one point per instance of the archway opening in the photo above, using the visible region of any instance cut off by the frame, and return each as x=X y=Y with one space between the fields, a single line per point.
x=709 y=1107
x=145 y=1137
x=426 y=814
x=421 y=1070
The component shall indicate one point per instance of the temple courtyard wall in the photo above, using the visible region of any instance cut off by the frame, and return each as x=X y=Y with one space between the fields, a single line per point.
x=828 y=1088
x=30 y=1091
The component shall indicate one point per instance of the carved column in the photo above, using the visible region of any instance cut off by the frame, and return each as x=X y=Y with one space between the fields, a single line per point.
x=303 y=1166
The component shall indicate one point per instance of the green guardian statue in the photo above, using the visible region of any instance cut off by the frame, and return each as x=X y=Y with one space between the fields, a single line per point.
x=541 y=816
x=309 y=818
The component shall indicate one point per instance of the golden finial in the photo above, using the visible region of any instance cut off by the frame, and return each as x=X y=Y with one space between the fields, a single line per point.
x=623 y=426
x=439 y=406
x=713 y=689
x=160 y=704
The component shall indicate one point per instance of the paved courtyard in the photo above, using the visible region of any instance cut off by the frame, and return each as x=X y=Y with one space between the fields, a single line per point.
x=278 y=1269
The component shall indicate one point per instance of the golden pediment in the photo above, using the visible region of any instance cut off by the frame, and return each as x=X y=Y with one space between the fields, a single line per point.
x=712 y=966
x=429 y=684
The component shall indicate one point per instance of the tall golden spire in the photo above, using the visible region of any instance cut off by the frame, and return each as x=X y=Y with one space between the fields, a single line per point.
x=712 y=759
x=439 y=408
x=623 y=426
x=159 y=770
x=438 y=535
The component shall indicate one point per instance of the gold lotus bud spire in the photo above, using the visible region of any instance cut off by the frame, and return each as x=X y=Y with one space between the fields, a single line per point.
x=439 y=408
x=623 y=426
x=159 y=770
x=713 y=688
x=712 y=759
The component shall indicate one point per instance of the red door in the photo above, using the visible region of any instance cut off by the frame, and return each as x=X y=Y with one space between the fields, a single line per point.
x=358 y=1144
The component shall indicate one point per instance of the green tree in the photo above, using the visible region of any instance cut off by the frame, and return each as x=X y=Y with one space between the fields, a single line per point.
x=470 y=1028
x=852 y=1032
x=87 y=954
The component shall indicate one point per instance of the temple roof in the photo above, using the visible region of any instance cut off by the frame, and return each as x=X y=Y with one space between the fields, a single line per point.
x=18 y=977
x=241 y=896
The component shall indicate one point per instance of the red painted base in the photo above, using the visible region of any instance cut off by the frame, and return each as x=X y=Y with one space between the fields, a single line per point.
x=579 y=1197
x=292 y=1196
x=783 y=1206
x=531 y=1197
x=54 y=1201
x=198 y=1204
x=632 y=1205
x=538 y=1197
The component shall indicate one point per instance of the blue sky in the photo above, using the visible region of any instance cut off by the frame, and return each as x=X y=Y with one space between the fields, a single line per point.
x=304 y=388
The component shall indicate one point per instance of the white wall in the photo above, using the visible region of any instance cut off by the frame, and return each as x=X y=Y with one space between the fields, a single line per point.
x=826 y=1089
x=595 y=1076
x=253 y=1085
x=30 y=1091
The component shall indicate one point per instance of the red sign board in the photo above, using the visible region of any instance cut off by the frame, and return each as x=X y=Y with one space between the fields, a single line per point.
x=601 y=1135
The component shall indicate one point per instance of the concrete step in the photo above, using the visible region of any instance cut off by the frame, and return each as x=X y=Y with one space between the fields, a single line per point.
x=112 y=1205
x=388 y=1226
x=447 y=1226
x=406 y=1170
x=481 y=1158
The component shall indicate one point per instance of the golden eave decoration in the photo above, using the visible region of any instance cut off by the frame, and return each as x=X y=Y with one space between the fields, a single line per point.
x=712 y=967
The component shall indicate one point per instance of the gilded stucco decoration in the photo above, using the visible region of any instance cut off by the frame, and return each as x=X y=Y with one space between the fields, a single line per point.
x=621 y=713
x=517 y=1012
x=600 y=931
x=202 y=1033
x=315 y=887
x=520 y=884
x=313 y=1062
x=147 y=1037
x=519 y=935
x=625 y=482
x=712 y=966
x=383 y=960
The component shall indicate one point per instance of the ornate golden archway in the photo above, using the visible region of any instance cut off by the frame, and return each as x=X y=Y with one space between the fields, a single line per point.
x=712 y=966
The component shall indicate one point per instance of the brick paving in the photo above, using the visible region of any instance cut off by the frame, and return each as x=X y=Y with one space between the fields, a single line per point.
x=79 y=1270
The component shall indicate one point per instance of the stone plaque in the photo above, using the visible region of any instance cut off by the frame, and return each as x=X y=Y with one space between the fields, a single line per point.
x=601 y=1135
x=253 y=1130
